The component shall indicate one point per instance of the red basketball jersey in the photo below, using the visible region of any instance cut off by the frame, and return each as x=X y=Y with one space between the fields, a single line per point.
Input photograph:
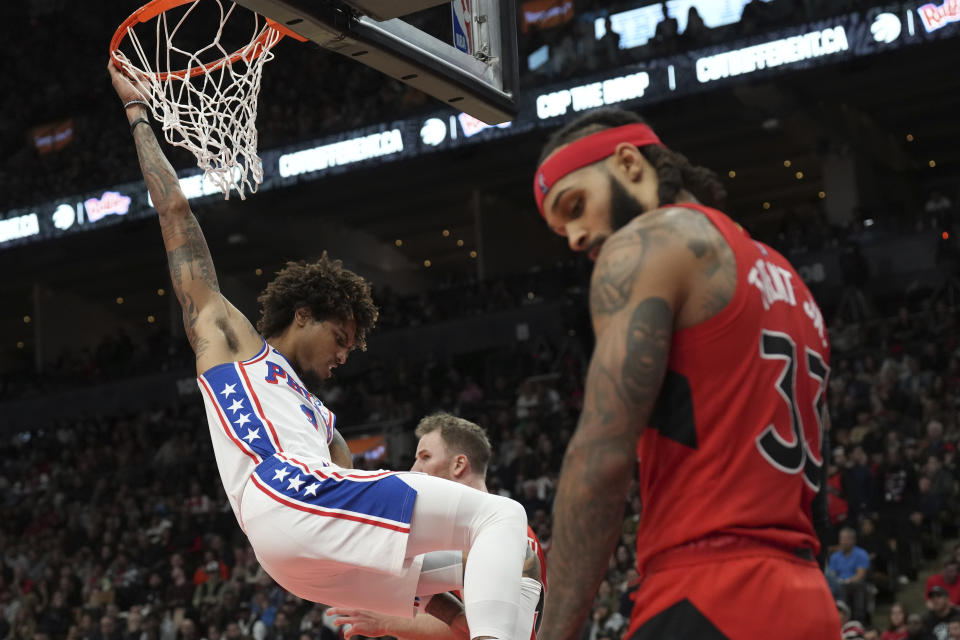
x=733 y=443
x=533 y=542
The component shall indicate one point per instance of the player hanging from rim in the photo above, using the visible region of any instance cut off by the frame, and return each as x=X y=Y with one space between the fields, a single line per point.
x=459 y=450
x=324 y=532
x=709 y=372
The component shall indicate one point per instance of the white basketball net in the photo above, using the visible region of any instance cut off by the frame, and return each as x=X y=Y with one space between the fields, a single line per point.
x=212 y=114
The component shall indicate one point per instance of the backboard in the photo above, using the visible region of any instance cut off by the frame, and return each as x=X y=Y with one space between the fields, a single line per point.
x=481 y=80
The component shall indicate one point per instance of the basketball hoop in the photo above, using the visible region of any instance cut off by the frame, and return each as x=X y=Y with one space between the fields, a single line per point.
x=205 y=98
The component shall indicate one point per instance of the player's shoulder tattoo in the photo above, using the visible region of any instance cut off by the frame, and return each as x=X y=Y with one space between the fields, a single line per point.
x=623 y=257
x=714 y=257
x=647 y=351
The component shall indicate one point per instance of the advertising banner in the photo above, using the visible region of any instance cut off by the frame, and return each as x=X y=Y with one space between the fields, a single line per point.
x=768 y=54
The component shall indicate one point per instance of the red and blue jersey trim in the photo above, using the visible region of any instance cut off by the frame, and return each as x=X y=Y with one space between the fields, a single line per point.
x=239 y=411
x=379 y=499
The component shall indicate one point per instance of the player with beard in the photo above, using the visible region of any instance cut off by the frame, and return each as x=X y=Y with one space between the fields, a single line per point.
x=709 y=372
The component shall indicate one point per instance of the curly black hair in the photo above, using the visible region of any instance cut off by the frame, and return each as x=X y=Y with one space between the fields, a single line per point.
x=674 y=171
x=326 y=289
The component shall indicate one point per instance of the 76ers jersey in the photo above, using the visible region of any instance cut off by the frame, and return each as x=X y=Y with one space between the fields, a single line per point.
x=733 y=443
x=257 y=408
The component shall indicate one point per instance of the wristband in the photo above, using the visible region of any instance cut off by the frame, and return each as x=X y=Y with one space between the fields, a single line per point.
x=133 y=125
x=133 y=102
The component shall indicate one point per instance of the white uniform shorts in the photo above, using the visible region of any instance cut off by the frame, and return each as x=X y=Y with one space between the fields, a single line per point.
x=332 y=535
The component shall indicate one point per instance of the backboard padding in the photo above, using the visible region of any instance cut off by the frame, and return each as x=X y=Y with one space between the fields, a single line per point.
x=485 y=85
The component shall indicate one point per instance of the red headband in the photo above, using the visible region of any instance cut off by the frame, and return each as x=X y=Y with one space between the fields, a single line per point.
x=586 y=151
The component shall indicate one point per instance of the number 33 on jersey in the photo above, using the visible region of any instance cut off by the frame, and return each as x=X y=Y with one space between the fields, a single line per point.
x=734 y=442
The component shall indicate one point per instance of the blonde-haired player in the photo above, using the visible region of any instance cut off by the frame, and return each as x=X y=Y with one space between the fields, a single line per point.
x=459 y=450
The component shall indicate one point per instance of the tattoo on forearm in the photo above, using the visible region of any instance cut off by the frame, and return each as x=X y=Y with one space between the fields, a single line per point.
x=622 y=386
x=191 y=259
x=647 y=349
x=188 y=257
x=159 y=175
x=589 y=505
x=591 y=510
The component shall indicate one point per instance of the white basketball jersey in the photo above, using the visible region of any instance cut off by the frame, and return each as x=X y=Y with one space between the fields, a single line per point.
x=258 y=408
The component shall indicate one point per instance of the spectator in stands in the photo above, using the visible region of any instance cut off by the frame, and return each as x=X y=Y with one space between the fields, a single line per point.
x=188 y=630
x=948 y=580
x=696 y=32
x=878 y=549
x=843 y=609
x=904 y=330
x=858 y=483
x=896 y=485
x=837 y=507
x=664 y=39
x=847 y=572
x=603 y=623
x=897 y=627
x=563 y=56
x=210 y=591
x=587 y=49
x=916 y=629
x=849 y=629
x=209 y=567
x=753 y=17
x=609 y=46
x=929 y=503
x=134 y=627
x=935 y=443
x=938 y=619
x=108 y=629
x=953 y=630
x=99 y=515
x=471 y=394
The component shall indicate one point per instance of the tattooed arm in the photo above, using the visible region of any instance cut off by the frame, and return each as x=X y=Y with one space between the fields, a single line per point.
x=635 y=291
x=216 y=330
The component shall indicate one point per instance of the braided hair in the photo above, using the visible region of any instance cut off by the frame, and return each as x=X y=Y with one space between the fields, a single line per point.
x=674 y=171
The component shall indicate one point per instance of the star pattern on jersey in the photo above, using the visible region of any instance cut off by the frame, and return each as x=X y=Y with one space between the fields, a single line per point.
x=237 y=405
x=281 y=474
x=295 y=483
x=252 y=435
x=228 y=390
x=312 y=489
x=243 y=419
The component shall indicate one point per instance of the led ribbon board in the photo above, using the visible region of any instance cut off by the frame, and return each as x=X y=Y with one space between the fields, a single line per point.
x=763 y=55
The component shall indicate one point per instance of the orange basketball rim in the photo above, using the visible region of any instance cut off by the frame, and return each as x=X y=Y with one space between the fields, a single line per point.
x=151 y=10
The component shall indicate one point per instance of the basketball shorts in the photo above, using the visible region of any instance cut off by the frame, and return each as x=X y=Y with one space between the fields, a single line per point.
x=332 y=535
x=741 y=593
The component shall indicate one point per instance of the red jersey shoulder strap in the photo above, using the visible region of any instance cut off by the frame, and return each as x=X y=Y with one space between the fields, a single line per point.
x=733 y=233
x=743 y=248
